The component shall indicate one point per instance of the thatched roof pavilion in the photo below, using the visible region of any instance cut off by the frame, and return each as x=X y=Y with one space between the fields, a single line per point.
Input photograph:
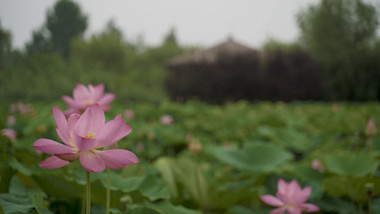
x=227 y=49
x=227 y=71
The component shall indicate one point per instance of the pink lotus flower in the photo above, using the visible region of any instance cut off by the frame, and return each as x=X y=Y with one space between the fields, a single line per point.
x=9 y=133
x=129 y=113
x=290 y=198
x=85 y=97
x=83 y=137
x=11 y=120
x=317 y=165
x=166 y=119
x=21 y=107
x=371 y=129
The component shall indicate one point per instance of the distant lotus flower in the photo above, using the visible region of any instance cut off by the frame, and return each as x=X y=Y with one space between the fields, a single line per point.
x=83 y=136
x=11 y=120
x=129 y=113
x=317 y=165
x=23 y=108
x=290 y=198
x=13 y=108
x=88 y=96
x=140 y=147
x=166 y=119
x=371 y=129
x=9 y=133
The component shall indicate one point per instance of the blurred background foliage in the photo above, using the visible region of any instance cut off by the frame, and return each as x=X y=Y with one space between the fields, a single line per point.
x=336 y=58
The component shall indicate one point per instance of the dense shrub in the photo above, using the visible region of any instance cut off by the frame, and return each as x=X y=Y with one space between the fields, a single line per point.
x=291 y=75
x=276 y=74
x=230 y=78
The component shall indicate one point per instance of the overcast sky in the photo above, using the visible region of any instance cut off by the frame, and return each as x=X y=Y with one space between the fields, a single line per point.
x=197 y=22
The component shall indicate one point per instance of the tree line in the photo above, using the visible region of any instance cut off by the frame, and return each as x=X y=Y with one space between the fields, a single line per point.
x=338 y=42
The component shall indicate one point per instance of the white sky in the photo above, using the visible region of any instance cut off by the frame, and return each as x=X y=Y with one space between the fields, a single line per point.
x=197 y=22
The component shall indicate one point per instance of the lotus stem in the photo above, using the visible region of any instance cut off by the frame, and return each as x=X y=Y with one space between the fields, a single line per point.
x=84 y=200
x=369 y=206
x=197 y=181
x=108 y=194
x=88 y=193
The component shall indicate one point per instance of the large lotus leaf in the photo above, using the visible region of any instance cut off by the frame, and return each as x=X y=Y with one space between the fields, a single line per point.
x=189 y=173
x=142 y=210
x=15 y=208
x=376 y=206
x=22 y=200
x=213 y=191
x=164 y=166
x=171 y=135
x=351 y=164
x=125 y=181
x=72 y=188
x=153 y=188
x=58 y=186
x=17 y=187
x=354 y=188
x=238 y=209
x=253 y=158
x=2 y=209
x=167 y=207
x=227 y=195
x=16 y=165
x=149 y=185
x=286 y=137
x=336 y=205
x=6 y=174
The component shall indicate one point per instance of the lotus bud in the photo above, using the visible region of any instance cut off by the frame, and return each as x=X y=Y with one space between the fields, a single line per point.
x=41 y=129
x=10 y=133
x=317 y=165
x=166 y=119
x=11 y=120
x=140 y=147
x=129 y=113
x=195 y=146
x=371 y=128
x=369 y=189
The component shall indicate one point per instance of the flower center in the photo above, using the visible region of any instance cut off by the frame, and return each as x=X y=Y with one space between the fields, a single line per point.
x=90 y=135
x=90 y=102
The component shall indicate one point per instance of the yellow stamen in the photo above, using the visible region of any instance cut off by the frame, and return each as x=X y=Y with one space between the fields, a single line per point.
x=90 y=135
x=90 y=102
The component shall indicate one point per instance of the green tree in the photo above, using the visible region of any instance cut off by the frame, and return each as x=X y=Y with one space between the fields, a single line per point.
x=5 y=47
x=340 y=34
x=40 y=42
x=171 y=37
x=65 y=22
x=168 y=49
x=107 y=49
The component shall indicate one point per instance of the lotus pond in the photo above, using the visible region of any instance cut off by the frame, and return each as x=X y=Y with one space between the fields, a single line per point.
x=197 y=158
